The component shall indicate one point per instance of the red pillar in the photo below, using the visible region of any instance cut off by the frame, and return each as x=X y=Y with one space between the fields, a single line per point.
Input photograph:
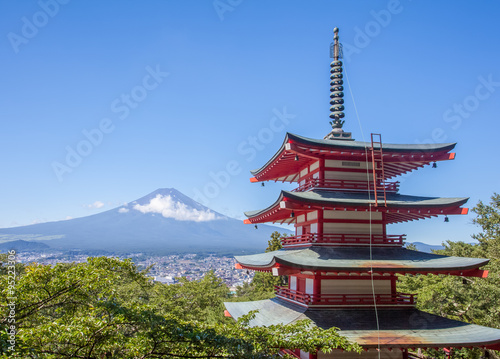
x=321 y=173
x=316 y=286
x=394 y=278
x=320 y=223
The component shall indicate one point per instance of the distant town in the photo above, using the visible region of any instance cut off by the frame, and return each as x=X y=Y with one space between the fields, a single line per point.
x=164 y=269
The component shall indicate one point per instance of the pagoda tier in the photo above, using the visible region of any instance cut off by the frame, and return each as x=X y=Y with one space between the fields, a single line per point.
x=339 y=261
x=397 y=328
x=326 y=206
x=300 y=158
x=341 y=267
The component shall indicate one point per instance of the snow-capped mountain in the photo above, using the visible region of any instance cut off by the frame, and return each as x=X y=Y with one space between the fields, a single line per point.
x=162 y=222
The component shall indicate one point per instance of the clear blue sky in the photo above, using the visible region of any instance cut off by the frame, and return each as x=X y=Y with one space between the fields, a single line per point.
x=170 y=92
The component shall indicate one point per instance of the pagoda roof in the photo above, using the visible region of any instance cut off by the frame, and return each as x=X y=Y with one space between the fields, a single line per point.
x=399 y=328
x=362 y=259
x=398 y=158
x=400 y=208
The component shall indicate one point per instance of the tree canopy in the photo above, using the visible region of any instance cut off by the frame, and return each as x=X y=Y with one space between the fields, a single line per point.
x=472 y=300
x=107 y=308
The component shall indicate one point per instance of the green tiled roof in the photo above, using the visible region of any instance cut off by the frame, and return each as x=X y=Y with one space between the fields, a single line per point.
x=390 y=259
x=359 y=145
x=361 y=199
x=398 y=327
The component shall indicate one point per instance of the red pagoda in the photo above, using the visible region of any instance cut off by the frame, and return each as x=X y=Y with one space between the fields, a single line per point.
x=342 y=264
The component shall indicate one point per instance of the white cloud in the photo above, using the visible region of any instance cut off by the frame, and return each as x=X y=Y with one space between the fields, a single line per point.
x=123 y=210
x=38 y=220
x=68 y=217
x=169 y=208
x=96 y=204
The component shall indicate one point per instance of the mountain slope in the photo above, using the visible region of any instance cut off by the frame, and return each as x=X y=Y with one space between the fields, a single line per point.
x=424 y=247
x=163 y=221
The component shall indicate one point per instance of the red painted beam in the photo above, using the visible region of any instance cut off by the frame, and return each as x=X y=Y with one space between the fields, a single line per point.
x=479 y=273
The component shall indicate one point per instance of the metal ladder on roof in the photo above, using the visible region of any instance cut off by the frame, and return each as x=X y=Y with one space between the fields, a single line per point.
x=378 y=170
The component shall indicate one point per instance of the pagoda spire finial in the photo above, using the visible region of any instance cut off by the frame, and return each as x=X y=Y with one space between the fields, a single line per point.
x=336 y=94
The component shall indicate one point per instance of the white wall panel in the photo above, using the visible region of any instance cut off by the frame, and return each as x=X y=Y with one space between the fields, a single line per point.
x=348 y=164
x=309 y=285
x=375 y=216
x=314 y=166
x=312 y=215
x=354 y=228
x=353 y=176
x=354 y=286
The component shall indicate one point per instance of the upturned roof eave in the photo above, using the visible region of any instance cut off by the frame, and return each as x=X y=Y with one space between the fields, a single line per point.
x=392 y=199
x=250 y=214
x=276 y=155
x=356 y=146
x=355 y=259
x=308 y=197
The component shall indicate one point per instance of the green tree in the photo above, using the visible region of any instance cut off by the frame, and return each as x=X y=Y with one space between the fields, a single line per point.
x=488 y=217
x=274 y=244
x=200 y=300
x=472 y=300
x=107 y=308
x=411 y=246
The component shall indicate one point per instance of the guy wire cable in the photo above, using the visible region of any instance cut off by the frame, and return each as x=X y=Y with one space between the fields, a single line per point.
x=370 y=211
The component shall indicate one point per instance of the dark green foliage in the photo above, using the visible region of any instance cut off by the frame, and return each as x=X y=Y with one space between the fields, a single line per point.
x=200 y=300
x=472 y=300
x=274 y=244
x=106 y=308
x=488 y=217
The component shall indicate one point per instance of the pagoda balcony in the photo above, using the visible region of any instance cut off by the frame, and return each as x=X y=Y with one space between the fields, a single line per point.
x=289 y=352
x=309 y=239
x=349 y=185
x=341 y=300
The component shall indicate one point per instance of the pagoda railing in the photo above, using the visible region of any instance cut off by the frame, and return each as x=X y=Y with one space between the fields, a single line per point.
x=345 y=299
x=355 y=239
x=344 y=184
x=289 y=352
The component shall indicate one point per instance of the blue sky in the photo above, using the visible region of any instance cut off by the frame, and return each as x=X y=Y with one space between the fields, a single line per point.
x=104 y=102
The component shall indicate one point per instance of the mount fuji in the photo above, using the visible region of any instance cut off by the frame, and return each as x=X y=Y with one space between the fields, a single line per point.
x=162 y=222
